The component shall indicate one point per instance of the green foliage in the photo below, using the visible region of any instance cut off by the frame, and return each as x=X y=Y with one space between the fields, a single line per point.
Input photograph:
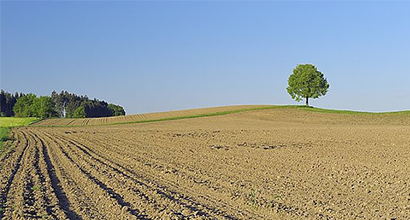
x=24 y=106
x=32 y=106
x=7 y=102
x=79 y=112
x=66 y=103
x=44 y=107
x=116 y=109
x=60 y=105
x=307 y=82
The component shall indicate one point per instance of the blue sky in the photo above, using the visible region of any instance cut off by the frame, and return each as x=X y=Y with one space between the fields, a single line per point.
x=157 y=56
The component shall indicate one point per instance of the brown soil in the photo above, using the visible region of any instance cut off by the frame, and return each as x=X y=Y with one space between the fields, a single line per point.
x=141 y=117
x=266 y=164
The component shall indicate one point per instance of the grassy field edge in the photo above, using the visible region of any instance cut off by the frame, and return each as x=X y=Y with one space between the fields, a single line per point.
x=6 y=124
x=9 y=122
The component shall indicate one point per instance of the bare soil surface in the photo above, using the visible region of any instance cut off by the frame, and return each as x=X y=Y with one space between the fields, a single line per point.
x=266 y=164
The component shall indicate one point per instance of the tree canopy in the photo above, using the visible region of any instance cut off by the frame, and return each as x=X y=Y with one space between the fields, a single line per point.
x=32 y=106
x=67 y=103
x=79 y=112
x=7 y=102
x=63 y=105
x=116 y=110
x=307 y=82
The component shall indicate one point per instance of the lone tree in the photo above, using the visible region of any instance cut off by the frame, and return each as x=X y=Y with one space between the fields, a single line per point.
x=307 y=82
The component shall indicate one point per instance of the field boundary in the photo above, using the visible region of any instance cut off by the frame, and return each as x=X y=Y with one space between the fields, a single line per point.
x=12 y=122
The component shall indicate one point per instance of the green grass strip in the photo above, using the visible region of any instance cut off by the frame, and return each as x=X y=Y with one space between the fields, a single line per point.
x=322 y=110
x=16 y=122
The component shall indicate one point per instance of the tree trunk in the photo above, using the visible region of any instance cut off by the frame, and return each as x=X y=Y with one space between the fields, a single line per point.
x=307 y=101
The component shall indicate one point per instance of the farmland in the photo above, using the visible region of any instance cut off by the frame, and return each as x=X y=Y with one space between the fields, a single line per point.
x=150 y=117
x=269 y=163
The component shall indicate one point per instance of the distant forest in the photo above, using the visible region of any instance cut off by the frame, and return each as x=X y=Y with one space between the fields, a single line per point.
x=61 y=105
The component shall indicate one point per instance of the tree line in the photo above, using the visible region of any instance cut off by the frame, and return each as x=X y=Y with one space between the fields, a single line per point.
x=62 y=105
x=7 y=102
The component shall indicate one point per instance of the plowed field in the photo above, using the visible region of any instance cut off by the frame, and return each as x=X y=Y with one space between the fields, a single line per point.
x=149 y=116
x=266 y=164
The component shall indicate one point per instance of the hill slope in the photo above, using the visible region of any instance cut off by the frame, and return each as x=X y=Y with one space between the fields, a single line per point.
x=158 y=116
x=268 y=112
